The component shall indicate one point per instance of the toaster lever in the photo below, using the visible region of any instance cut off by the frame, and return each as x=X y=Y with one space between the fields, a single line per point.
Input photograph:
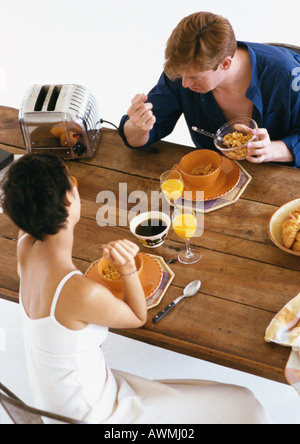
x=80 y=149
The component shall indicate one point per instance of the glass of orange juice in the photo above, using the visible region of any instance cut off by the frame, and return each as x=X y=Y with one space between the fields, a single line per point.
x=184 y=223
x=172 y=186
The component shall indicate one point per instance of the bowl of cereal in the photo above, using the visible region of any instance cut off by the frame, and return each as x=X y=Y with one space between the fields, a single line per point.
x=237 y=134
x=110 y=275
x=201 y=167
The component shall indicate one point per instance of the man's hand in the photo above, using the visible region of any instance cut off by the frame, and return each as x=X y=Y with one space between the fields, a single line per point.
x=266 y=151
x=141 y=114
x=141 y=121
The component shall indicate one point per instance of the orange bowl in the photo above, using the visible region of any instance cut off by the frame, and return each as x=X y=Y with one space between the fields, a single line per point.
x=201 y=158
x=113 y=284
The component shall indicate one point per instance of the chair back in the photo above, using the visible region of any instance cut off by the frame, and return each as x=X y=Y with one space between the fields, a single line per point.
x=284 y=45
x=21 y=413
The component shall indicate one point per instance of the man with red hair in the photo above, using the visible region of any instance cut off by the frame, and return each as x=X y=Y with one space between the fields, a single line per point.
x=211 y=79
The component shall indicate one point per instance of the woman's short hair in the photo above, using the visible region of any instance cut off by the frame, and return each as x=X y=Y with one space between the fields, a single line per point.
x=33 y=194
x=201 y=42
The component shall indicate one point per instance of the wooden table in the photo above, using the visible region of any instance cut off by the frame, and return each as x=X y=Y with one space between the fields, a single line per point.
x=246 y=280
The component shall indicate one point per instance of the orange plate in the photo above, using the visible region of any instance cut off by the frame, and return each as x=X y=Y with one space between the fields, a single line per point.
x=151 y=276
x=228 y=179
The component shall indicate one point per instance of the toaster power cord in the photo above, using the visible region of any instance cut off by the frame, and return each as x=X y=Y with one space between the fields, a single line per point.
x=110 y=123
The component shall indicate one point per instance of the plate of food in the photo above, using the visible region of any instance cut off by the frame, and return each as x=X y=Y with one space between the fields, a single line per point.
x=284 y=227
x=149 y=269
x=227 y=180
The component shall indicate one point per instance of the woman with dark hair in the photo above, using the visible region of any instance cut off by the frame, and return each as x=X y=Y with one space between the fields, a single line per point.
x=66 y=318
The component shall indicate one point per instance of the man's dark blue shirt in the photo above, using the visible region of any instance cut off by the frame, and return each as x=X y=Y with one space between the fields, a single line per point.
x=274 y=91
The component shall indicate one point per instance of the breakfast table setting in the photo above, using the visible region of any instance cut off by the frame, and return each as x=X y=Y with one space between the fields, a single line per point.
x=235 y=303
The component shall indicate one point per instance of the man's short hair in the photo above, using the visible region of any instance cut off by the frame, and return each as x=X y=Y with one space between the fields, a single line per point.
x=200 y=42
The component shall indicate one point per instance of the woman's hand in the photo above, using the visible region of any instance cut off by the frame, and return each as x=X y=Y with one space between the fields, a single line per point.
x=98 y=305
x=122 y=254
x=134 y=312
x=263 y=150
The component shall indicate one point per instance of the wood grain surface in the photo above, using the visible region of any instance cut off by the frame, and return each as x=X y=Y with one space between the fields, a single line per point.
x=246 y=280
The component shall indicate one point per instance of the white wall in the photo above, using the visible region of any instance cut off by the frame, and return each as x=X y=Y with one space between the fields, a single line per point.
x=115 y=47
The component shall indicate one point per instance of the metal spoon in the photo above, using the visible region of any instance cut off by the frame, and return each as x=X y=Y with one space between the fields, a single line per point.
x=213 y=136
x=189 y=291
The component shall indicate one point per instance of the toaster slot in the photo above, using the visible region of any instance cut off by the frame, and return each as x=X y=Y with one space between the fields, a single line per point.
x=41 y=98
x=54 y=97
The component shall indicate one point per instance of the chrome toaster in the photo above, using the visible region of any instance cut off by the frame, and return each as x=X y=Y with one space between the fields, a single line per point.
x=60 y=119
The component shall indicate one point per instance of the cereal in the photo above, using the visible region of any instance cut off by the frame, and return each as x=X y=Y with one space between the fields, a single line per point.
x=235 y=140
x=203 y=170
x=112 y=273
